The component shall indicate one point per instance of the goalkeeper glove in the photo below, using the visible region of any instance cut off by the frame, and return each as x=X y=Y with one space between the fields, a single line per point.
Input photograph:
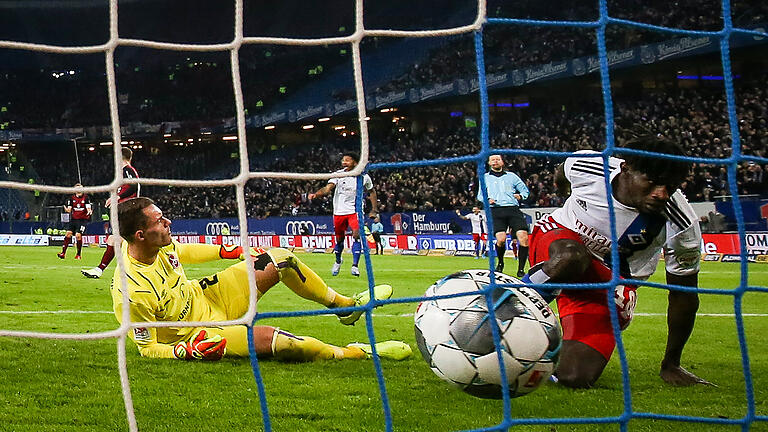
x=236 y=252
x=201 y=347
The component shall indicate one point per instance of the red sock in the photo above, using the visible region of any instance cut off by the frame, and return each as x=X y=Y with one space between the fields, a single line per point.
x=107 y=257
x=67 y=241
x=79 y=246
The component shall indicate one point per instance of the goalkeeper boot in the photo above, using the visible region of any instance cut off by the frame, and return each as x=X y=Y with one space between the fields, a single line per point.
x=393 y=350
x=354 y=271
x=60 y=255
x=336 y=268
x=380 y=292
x=93 y=273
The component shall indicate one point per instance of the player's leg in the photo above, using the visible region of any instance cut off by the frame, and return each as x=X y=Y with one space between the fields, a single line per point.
x=522 y=254
x=558 y=256
x=67 y=241
x=500 y=226
x=229 y=287
x=357 y=246
x=587 y=345
x=106 y=258
x=270 y=341
x=340 y=229
x=79 y=242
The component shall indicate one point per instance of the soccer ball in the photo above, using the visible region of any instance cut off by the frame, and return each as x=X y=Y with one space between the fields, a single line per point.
x=454 y=335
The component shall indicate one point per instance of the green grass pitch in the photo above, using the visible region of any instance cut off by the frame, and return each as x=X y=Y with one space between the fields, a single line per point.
x=54 y=385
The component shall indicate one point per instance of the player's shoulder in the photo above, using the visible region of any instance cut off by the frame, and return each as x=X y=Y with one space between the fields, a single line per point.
x=588 y=164
x=173 y=247
x=679 y=211
x=129 y=169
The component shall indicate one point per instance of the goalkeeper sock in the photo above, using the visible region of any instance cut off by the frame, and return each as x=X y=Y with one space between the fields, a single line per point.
x=356 y=250
x=303 y=281
x=107 y=257
x=288 y=347
x=338 y=249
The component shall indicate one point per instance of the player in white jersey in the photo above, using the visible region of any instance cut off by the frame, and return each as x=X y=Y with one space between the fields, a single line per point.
x=479 y=229
x=573 y=245
x=344 y=194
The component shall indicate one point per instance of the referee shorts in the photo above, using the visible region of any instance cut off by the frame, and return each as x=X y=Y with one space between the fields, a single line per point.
x=508 y=218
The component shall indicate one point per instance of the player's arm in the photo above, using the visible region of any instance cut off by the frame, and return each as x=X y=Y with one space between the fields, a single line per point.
x=681 y=259
x=480 y=192
x=327 y=190
x=193 y=253
x=458 y=213
x=522 y=190
x=374 y=199
x=561 y=182
x=88 y=207
x=68 y=205
x=681 y=316
x=146 y=337
x=141 y=310
x=129 y=189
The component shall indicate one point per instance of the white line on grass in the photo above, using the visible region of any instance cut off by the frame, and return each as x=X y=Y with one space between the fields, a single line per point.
x=79 y=312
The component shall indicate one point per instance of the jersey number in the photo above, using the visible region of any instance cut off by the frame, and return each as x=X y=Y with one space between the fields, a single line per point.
x=205 y=282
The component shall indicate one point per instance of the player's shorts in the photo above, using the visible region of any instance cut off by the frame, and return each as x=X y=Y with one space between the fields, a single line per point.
x=77 y=225
x=477 y=237
x=228 y=295
x=508 y=218
x=584 y=314
x=342 y=222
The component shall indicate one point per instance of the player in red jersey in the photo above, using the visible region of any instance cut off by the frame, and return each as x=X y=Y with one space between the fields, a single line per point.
x=124 y=192
x=79 y=208
x=573 y=245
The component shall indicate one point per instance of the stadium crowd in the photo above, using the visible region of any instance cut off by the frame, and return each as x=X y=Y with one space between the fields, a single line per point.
x=696 y=117
x=179 y=87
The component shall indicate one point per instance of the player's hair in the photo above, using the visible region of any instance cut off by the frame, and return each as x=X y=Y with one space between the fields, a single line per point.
x=127 y=153
x=353 y=155
x=660 y=171
x=131 y=215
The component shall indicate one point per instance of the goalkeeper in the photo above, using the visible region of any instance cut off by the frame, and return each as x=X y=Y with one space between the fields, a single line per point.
x=160 y=291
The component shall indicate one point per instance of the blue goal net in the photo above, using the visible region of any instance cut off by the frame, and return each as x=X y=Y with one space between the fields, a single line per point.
x=480 y=24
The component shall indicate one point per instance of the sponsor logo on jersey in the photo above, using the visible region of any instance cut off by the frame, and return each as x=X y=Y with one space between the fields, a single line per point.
x=582 y=204
x=141 y=334
x=173 y=260
x=688 y=258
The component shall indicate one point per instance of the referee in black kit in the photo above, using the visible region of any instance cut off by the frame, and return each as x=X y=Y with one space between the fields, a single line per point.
x=505 y=192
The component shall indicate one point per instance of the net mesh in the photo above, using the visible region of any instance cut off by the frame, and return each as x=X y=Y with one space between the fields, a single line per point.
x=354 y=40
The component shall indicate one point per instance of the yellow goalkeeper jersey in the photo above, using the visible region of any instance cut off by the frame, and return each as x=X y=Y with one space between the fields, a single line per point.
x=161 y=292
